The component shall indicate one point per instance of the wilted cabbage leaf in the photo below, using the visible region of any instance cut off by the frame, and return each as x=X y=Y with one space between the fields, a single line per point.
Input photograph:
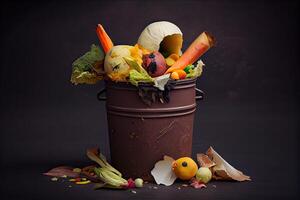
x=137 y=73
x=88 y=68
x=135 y=77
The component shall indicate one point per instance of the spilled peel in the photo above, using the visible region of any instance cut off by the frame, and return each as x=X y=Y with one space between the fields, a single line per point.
x=221 y=169
x=163 y=173
x=62 y=171
x=95 y=155
x=197 y=184
x=204 y=160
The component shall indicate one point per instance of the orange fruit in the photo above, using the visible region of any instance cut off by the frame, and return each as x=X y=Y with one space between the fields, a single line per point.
x=185 y=168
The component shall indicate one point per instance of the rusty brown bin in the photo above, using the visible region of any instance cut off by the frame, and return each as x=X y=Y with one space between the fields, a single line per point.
x=140 y=135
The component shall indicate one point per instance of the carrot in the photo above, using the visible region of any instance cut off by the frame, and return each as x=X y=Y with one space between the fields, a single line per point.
x=105 y=41
x=175 y=76
x=178 y=74
x=200 y=45
x=181 y=73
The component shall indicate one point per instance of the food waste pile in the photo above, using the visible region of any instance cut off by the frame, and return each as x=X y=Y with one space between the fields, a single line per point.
x=156 y=60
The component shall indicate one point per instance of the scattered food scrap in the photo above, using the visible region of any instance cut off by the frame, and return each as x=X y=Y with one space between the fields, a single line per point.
x=133 y=191
x=83 y=182
x=184 y=185
x=62 y=171
x=212 y=166
x=163 y=173
x=54 y=179
x=221 y=170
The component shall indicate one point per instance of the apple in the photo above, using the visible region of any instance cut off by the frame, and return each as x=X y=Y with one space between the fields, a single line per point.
x=155 y=64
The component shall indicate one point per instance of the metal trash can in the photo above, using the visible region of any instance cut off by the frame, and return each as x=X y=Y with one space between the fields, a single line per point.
x=140 y=135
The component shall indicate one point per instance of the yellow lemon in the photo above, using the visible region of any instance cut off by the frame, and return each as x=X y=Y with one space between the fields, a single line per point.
x=185 y=168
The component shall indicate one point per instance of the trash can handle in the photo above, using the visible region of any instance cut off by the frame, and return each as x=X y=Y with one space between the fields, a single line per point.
x=99 y=95
x=199 y=94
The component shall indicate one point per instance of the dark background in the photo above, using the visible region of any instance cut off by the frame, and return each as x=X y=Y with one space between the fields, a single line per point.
x=250 y=113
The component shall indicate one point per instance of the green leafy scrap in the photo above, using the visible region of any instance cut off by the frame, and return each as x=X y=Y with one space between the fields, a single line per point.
x=88 y=69
x=196 y=71
x=137 y=74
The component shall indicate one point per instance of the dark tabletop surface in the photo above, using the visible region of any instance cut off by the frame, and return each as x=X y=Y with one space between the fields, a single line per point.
x=250 y=114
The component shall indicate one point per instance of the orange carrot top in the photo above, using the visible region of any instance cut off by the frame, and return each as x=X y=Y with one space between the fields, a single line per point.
x=104 y=39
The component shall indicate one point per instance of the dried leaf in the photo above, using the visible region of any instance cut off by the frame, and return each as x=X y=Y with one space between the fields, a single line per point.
x=163 y=173
x=204 y=161
x=223 y=170
x=62 y=171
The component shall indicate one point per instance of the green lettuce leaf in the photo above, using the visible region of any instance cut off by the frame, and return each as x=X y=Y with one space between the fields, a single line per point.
x=136 y=77
x=196 y=71
x=88 y=68
x=137 y=73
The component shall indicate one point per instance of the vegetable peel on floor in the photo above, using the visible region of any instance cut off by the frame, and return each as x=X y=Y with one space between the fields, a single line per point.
x=222 y=170
x=110 y=178
x=163 y=173
x=83 y=182
x=197 y=184
x=99 y=158
x=62 y=171
x=204 y=160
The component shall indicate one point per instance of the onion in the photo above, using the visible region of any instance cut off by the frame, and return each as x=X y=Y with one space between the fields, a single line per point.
x=162 y=36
